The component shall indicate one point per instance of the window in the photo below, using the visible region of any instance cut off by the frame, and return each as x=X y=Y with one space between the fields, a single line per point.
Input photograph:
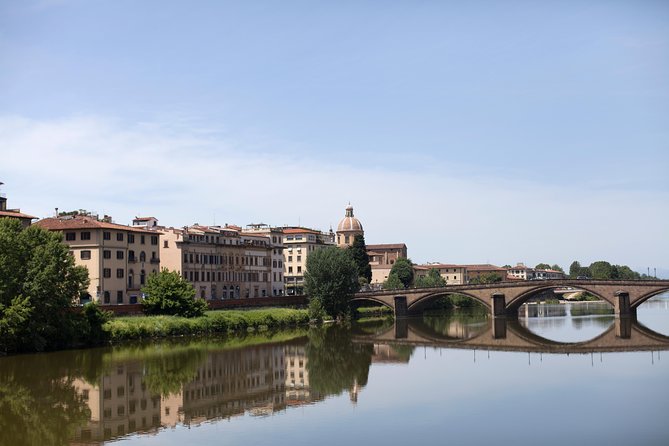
x=119 y=273
x=165 y=244
x=142 y=277
x=290 y=258
x=290 y=269
x=119 y=236
x=142 y=256
x=119 y=255
x=107 y=299
x=85 y=254
x=85 y=235
x=119 y=297
x=299 y=269
x=141 y=239
x=106 y=254
x=131 y=238
x=106 y=235
x=299 y=258
x=106 y=273
x=154 y=239
x=70 y=236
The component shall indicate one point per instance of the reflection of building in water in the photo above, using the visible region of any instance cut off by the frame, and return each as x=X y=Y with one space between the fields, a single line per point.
x=259 y=380
x=388 y=354
x=232 y=382
x=533 y=310
x=119 y=404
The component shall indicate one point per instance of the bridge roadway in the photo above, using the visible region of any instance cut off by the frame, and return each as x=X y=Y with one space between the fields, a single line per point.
x=503 y=334
x=504 y=298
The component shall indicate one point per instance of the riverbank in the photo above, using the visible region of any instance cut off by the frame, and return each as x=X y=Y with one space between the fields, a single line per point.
x=213 y=322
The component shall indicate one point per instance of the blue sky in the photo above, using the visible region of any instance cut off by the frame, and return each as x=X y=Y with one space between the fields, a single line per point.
x=472 y=131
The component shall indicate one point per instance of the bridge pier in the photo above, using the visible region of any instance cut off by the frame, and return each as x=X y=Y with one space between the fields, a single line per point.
x=498 y=305
x=401 y=328
x=498 y=328
x=622 y=308
x=401 y=310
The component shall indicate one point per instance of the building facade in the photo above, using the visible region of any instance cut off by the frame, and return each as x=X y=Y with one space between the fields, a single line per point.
x=119 y=258
x=299 y=243
x=382 y=258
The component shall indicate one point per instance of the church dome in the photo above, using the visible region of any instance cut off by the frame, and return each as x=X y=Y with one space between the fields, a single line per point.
x=349 y=223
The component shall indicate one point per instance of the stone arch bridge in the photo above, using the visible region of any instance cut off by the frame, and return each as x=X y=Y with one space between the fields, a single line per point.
x=504 y=298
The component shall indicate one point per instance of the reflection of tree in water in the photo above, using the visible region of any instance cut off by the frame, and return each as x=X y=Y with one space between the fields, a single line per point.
x=334 y=362
x=465 y=323
x=167 y=371
x=41 y=408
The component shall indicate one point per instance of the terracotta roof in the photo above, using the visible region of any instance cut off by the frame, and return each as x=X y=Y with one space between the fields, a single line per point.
x=300 y=231
x=387 y=246
x=15 y=214
x=441 y=265
x=62 y=224
x=484 y=267
x=144 y=218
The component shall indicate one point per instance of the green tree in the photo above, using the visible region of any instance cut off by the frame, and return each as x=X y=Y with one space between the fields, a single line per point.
x=543 y=266
x=38 y=284
x=359 y=253
x=392 y=282
x=432 y=280
x=403 y=269
x=332 y=279
x=168 y=293
x=574 y=269
x=601 y=270
x=486 y=278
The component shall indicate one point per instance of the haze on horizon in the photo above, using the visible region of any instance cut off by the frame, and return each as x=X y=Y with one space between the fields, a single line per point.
x=473 y=132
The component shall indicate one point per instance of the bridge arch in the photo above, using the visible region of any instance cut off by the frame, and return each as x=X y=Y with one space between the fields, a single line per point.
x=518 y=301
x=648 y=296
x=424 y=300
x=359 y=301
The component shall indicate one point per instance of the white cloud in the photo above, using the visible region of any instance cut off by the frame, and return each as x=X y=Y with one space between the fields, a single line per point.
x=184 y=177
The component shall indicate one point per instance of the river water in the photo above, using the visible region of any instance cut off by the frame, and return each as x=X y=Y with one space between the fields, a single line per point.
x=563 y=374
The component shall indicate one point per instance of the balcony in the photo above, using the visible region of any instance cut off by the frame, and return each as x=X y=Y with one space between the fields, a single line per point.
x=155 y=261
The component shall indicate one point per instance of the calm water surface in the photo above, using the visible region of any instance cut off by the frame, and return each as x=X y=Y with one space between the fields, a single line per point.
x=559 y=375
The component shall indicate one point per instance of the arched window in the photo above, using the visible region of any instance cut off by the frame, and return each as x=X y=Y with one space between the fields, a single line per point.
x=142 y=256
x=142 y=277
x=131 y=277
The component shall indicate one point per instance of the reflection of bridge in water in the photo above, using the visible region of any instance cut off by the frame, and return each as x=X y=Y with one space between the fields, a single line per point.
x=504 y=298
x=501 y=334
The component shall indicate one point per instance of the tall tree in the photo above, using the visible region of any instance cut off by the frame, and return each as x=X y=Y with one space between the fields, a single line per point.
x=331 y=279
x=403 y=269
x=359 y=253
x=574 y=269
x=601 y=270
x=543 y=266
x=169 y=293
x=38 y=283
x=557 y=267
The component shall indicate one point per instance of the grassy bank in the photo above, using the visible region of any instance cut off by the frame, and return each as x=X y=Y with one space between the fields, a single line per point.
x=229 y=321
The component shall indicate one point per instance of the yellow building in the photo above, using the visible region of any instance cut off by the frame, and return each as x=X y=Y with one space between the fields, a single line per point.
x=299 y=243
x=452 y=274
x=118 y=258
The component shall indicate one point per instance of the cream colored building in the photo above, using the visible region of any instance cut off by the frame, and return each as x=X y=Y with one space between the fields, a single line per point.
x=348 y=228
x=452 y=274
x=212 y=258
x=299 y=243
x=119 y=258
x=275 y=238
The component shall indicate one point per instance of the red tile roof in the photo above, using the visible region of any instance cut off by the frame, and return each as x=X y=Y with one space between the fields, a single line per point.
x=387 y=246
x=15 y=214
x=63 y=224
